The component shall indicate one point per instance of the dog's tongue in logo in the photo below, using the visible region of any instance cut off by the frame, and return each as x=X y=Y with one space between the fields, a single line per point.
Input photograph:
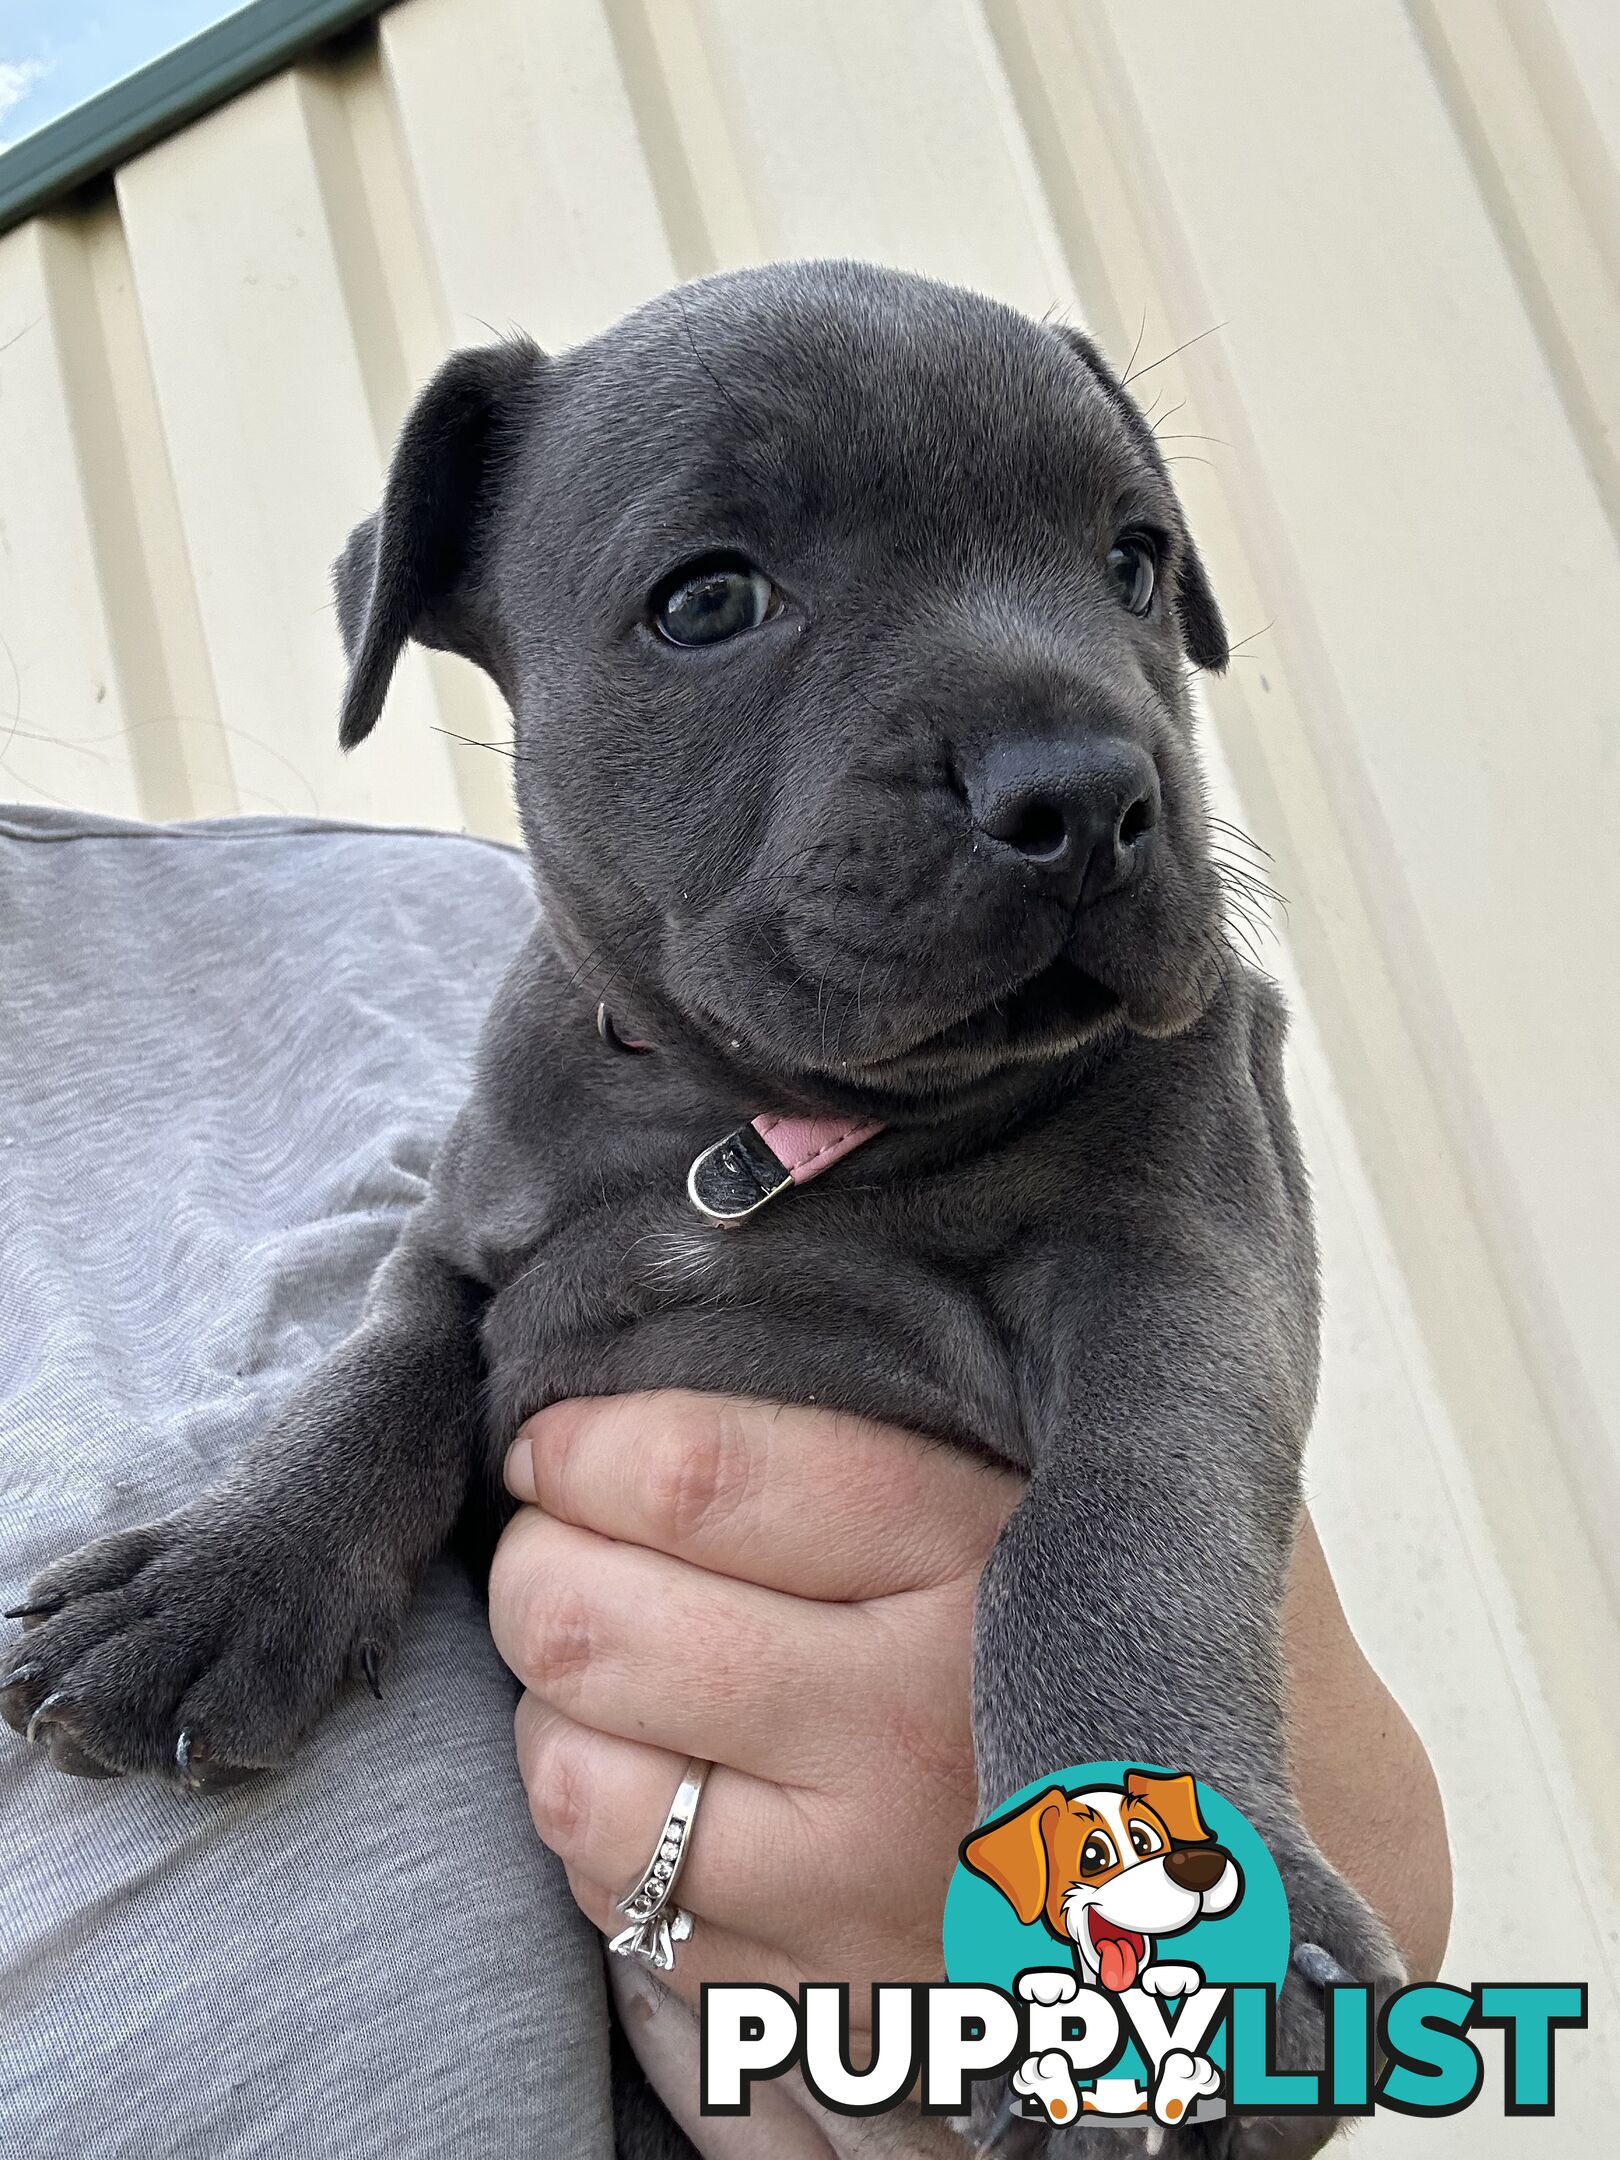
x=1119 y=1952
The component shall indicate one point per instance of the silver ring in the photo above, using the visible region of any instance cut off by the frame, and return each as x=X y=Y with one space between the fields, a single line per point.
x=656 y=1923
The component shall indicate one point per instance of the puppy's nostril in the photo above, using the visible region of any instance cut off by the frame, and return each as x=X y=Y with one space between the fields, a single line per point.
x=1139 y=819
x=1038 y=829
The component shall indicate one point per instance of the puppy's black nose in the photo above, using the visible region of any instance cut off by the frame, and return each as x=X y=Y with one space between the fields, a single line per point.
x=1082 y=813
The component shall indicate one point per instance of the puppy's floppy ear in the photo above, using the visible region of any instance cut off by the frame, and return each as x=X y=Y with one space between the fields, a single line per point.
x=1203 y=633
x=409 y=571
x=1012 y=1854
x=1175 y=1801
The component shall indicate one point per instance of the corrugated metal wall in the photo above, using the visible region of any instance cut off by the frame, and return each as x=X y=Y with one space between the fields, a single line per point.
x=1391 y=234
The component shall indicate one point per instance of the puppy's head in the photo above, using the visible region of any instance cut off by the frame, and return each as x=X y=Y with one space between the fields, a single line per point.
x=846 y=621
x=1110 y=1870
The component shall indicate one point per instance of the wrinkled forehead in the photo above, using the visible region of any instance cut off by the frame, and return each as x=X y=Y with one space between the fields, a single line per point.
x=904 y=410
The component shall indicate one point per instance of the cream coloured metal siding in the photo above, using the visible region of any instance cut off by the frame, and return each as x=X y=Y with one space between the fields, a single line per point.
x=1401 y=452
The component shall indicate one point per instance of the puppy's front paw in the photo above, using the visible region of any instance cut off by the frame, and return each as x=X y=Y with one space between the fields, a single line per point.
x=198 y=1649
x=1336 y=1938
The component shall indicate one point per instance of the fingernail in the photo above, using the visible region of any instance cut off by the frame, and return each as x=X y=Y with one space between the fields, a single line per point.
x=520 y=1470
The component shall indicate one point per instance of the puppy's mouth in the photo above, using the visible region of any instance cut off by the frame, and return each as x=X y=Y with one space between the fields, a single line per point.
x=1120 y=1951
x=1053 y=1011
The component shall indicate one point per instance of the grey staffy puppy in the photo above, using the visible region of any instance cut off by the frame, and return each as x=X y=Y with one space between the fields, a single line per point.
x=846 y=621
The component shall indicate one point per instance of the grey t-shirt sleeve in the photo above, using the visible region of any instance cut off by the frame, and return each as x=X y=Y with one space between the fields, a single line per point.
x=226 y=1054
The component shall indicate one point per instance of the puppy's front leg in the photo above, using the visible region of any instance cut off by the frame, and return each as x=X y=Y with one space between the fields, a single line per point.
x=1131 y=1609
x=205 y=1645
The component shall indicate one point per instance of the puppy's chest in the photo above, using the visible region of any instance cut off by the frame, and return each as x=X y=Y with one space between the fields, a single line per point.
x=822 y=1298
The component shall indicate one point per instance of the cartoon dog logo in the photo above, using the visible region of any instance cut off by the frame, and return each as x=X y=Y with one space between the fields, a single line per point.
x=1109 y=1873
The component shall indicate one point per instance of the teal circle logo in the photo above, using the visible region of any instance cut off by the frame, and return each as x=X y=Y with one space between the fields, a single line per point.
x=1117 y=1886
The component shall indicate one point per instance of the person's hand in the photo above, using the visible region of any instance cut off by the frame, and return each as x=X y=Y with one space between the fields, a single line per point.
x=788 y=1594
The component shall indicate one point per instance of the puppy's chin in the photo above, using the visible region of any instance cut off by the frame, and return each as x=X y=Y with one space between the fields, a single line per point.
x=1040 y=1016
x=933 y=1066
x=1171 y=1001
x=1047 y=1019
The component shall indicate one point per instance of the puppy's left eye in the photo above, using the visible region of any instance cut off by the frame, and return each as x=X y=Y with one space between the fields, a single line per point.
x=1133 y=564
x=706 y=602
x=1144 y=1841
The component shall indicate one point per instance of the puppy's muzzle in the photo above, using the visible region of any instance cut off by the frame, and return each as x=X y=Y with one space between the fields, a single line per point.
x=1081 y=815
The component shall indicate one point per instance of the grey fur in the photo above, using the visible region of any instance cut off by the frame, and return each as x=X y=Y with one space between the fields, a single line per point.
x=1083 y=1245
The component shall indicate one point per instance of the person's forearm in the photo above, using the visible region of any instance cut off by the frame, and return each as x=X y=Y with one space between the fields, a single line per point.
x=1365 y=1784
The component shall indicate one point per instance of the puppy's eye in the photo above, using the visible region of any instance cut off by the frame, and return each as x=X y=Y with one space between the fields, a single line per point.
x=707 y=602
x=1096 y=1854
x=1133 y=564
x=1145 y=1842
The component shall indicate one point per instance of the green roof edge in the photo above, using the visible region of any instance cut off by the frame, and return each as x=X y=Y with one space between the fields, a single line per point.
x=128 y=117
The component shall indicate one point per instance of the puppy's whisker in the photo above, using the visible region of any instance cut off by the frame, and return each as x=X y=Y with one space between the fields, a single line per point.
x=1225 y=825
x=1235 y=650
x=1249 y=865
x=1189 y=672
x=478 y=742
x=1246 y=944
x=1228 y=852
x=1240 y=886
x=721 y=391
x=1141 y=332
x=1215 y=948
x=860 y=984
x=1261 y=905
x=1240 y=923
x=1245 y=911
x=1239 y=643
x=883 y=987
x=1249 y=881
x=1136 y=376
x=636 y=956
x=1260 y=896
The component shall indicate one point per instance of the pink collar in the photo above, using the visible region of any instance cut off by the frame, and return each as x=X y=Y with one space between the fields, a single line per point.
x=736 y=1176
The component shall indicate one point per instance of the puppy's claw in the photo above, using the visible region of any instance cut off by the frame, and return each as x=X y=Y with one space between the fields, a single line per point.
x=39 y=1717
x=368 y=1665
x=197 y=1772
x=41 y=1609
x=73 y=1760
x=19 y=1675
x=1320 y=1967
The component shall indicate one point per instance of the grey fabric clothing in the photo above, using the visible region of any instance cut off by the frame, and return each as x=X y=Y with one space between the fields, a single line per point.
x=226 y=1053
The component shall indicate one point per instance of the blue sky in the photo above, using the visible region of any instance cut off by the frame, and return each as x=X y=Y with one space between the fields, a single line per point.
x=56 y=53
